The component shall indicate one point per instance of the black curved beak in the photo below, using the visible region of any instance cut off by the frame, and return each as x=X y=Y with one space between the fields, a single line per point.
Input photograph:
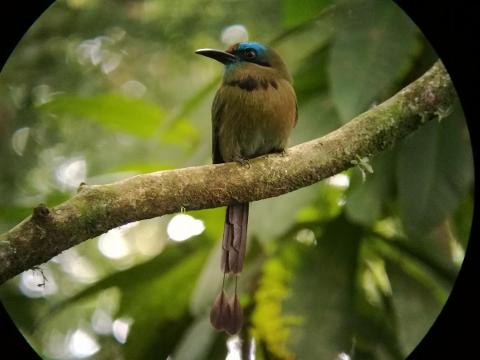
x=219 y=55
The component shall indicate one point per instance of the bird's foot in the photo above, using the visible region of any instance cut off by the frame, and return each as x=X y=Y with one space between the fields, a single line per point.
x=282 y=152
x=242 y=161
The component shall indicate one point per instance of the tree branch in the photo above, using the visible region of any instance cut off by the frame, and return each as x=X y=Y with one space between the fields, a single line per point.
x=98 y=208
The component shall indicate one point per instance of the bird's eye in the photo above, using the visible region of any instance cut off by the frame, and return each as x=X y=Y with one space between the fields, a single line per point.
x=250 y=54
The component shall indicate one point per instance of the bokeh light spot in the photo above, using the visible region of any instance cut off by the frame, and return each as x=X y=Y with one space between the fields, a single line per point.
x=182 y=227
x=339 y=180
x=113 y=244
x=82 y=345
x=121 y=328
x=134 y=88
x=233 y=346
x=71 y=173
x=307 y=237
x=234 y=34
x=102 y=322
x=19 y=140
x=37 y=283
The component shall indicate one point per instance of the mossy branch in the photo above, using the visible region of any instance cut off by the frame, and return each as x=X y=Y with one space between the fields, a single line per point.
x=99 y=208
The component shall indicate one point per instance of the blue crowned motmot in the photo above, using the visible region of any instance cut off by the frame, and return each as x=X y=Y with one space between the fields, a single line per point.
x=253 y=113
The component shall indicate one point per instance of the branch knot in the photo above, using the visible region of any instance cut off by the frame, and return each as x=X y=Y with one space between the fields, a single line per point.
x=41 y=214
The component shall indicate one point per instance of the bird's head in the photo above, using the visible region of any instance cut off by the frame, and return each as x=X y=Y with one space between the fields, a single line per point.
x=248 y=52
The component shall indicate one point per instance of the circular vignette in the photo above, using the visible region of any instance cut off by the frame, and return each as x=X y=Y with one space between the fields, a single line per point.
x=16 y=18
x=460 y=305
x=450 y=28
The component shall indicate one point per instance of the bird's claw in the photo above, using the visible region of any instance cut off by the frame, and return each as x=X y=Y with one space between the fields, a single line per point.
x=281 y=152
x=242 y=161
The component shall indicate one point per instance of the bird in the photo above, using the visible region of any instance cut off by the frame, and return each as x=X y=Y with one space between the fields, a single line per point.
x=253 y=113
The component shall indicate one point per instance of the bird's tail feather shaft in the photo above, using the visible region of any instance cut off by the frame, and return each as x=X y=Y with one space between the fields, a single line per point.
x=226 y=313
x=234 y=238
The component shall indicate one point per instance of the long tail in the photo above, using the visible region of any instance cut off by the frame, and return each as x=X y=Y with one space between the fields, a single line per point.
x=234 y=238
x=227 y=314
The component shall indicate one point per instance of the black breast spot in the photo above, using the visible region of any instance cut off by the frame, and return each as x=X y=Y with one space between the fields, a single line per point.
x=248 y=83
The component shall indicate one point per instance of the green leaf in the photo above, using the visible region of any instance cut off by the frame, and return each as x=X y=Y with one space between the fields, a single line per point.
x=198 y=339
x=181 y=132
x=20 y=308
x=11 y=215
x=134 y=116
x=272 y=217
x=296 y=12
x=365 y=200
x=462 y=220
x=325 y=206
x=398 y=248
x=323 y=292
x=138 y=275
x=316 y=117
x=162 y=305
x=373 y=49
x=434 y=172
x=412 y=295
x=375 y=322
x=155 y=295
x=209 y=278
x=415 y=305
x=208 y=283
x=269 y=324
x=213 y=219
x=311 y=77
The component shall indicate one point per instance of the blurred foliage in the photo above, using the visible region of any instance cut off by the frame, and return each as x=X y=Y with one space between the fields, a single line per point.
x=101 y=90
x=388 y=45
x=117 y=112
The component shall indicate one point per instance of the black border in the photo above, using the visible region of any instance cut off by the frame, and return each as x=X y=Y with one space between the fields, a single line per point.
x=16 y=17
x=450 y=27
x=12 y=341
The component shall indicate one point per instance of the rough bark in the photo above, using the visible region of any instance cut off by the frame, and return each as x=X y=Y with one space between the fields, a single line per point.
x=99 y=208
